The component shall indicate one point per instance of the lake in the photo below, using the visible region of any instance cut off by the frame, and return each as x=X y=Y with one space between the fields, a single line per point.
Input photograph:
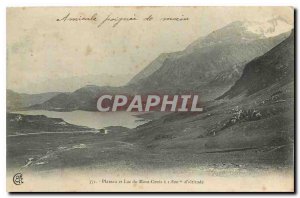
x=90 y=119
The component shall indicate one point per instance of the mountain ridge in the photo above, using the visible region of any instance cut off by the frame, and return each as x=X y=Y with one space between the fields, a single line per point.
x=208 y=70
x=274 y=66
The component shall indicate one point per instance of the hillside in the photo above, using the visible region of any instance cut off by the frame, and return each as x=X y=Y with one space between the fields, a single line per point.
x=258 y=127
x=276 y=66
x=222 y=51
x=20 y=100
x=151 y=68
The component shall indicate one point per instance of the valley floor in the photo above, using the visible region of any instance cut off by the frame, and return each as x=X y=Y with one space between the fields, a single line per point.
x=243 y=135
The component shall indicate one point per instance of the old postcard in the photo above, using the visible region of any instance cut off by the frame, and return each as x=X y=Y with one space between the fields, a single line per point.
x=150 y=99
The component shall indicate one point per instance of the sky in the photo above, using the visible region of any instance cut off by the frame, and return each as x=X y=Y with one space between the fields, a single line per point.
x=42 y=50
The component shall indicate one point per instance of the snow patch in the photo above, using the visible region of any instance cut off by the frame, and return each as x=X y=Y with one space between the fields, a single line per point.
x=269 y=28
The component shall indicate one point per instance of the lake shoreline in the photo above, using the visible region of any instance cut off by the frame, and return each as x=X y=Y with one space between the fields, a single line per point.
x=97 y=120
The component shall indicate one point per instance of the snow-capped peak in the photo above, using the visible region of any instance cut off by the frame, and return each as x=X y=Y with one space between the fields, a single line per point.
x=269 y=28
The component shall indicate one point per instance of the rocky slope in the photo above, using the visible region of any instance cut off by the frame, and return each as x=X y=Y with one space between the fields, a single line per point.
x=276 y=66
x=223 y=51
x=258 y=127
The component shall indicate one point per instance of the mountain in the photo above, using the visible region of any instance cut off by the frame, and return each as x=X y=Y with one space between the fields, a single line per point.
x=256 y=124
x=239 y=31
x=84 y=98
x=226 y=50
x=151 y=68
x=236 y=31
x=209 y=66
x=20 y=100
x=276 y=66
x=269 y=28
x=70 y=84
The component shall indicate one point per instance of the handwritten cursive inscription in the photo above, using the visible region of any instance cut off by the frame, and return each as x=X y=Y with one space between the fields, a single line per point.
x=80 y=18
x=114 y=21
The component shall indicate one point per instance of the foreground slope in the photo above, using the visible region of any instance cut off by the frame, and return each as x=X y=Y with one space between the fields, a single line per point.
x=257 y=127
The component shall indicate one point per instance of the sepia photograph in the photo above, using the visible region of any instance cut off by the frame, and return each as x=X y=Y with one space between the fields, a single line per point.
x=150 y=99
